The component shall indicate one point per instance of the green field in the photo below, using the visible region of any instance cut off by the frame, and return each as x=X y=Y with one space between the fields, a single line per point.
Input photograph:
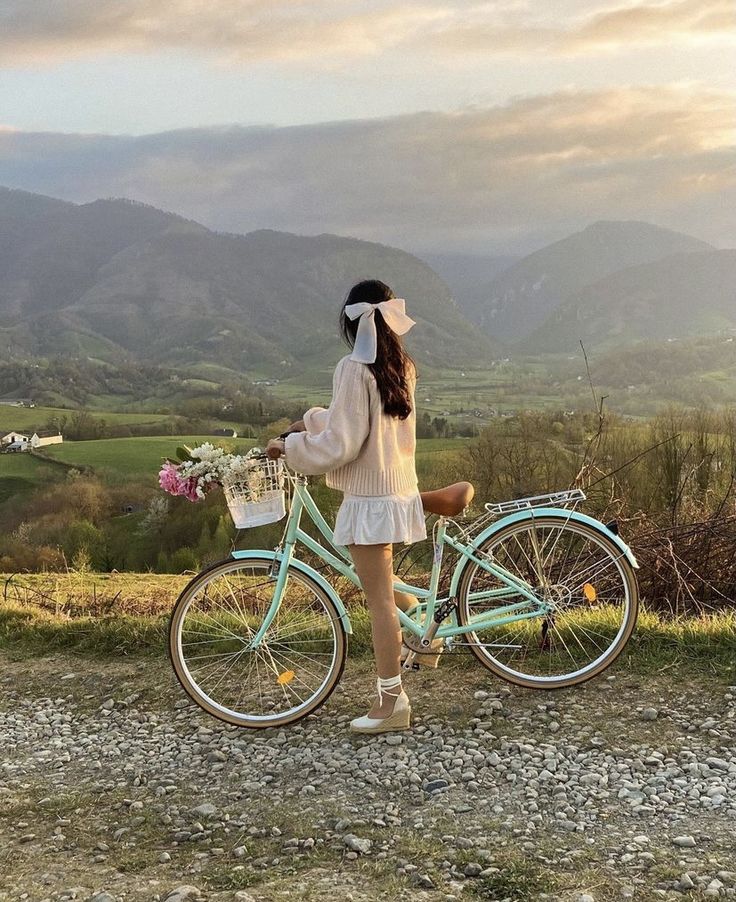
x=21 y=418
x=116 y=459
x=496 y=386
x=21 y=474
x=141 y=457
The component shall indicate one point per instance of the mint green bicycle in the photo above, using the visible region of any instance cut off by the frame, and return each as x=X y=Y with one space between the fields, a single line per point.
x=543 y=595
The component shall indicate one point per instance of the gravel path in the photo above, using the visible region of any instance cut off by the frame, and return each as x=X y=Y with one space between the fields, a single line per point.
x=113 y=787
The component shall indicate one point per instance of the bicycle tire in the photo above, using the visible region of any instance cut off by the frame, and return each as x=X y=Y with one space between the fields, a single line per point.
x=203 y=698
x=514 y=675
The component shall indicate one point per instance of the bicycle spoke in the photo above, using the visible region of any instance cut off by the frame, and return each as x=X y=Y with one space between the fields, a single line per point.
x=284 y=674
x=582 y=585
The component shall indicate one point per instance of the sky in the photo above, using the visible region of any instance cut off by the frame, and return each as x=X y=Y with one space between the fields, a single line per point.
x=434 y=126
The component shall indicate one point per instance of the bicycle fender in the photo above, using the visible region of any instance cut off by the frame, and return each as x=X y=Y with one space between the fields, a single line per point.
x=307 y=571
x=543 y=512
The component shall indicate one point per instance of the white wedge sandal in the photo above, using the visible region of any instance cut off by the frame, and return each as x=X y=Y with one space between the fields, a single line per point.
x=398 y=719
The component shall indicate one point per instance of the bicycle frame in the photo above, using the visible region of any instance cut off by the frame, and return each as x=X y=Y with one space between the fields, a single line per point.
x=531 y=606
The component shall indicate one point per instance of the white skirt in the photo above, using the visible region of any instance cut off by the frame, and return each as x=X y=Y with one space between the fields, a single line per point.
x=377 y=519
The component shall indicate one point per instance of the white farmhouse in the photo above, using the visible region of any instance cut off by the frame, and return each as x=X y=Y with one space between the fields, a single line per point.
x=17 y=441
x=12 y=437
x=40 y=441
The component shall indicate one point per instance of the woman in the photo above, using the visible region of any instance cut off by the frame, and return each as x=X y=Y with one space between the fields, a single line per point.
x=365 y=444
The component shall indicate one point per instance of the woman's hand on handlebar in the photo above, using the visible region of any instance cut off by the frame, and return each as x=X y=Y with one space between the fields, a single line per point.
x=275 y=448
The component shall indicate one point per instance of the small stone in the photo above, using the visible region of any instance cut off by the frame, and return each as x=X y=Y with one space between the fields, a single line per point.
x=108 y=704
x=102 y=897
x=183 y=893
x=206 y=810
x=684 y=842
x=717 y=763
x=649 y=714
x=164 y=857
x=357 y=844
x=216 y=755
x=436 y=785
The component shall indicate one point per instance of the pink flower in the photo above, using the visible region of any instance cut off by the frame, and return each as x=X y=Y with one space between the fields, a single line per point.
x=189 y=489
x=169 y=479
x=172 y=482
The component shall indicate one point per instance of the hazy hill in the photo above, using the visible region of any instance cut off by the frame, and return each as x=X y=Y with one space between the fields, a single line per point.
x=522 y=297
x=467 y=276
x=679 y=296
x=117 y=278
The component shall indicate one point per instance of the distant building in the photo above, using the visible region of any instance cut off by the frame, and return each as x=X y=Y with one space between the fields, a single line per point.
x=46 y=438
x=12 y=437
x=17 y=441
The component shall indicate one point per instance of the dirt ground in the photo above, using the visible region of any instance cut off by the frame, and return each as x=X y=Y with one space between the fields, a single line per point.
x=113 y=786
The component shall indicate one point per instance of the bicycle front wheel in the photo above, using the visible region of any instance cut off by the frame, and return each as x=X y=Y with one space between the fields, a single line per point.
x=582 y=578
x=271 y=683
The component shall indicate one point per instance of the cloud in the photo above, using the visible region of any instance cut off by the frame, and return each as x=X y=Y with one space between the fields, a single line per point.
x=470 y=179
x=654 y=24
x=234 y=30
x=330 y=33
x=610 y=28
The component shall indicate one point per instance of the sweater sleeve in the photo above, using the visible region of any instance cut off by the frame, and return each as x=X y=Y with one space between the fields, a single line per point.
x=346 y=424
x=315 y=419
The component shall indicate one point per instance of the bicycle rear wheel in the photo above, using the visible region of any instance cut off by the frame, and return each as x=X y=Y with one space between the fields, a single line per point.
x=580 y=574
x=290 y=673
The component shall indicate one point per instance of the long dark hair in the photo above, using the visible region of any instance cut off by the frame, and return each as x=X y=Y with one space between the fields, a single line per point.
x=392 y=360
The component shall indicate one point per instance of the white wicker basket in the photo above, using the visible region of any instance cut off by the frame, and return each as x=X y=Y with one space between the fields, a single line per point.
x=260 y=498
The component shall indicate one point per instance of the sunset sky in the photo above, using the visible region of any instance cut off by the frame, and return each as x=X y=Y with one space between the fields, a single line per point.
x=478 y=127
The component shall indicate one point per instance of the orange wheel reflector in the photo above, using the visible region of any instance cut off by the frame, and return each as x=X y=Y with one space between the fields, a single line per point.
x=589 y=592
x=285 y=678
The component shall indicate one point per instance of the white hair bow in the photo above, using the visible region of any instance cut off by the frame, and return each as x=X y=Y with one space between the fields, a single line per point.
x=366 y=339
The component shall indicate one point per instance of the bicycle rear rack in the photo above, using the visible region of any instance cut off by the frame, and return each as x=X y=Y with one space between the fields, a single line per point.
x=555 y=499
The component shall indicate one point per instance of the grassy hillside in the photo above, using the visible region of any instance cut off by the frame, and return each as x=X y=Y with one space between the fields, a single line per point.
x=24 y=418
x=139 y=458
x=21 y=474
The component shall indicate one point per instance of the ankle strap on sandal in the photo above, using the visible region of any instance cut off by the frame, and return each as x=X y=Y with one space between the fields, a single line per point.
x=384 y=685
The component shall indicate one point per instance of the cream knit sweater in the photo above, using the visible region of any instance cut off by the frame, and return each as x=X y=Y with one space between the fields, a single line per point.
x=360 y=449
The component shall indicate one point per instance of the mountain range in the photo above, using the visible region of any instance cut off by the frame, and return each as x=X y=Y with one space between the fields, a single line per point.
x=679 y=296
x=524 y=296
x=118 y=280
x=115 y=279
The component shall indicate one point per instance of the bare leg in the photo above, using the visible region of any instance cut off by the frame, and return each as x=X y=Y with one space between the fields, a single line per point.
x=374 y=566
x=403 y=600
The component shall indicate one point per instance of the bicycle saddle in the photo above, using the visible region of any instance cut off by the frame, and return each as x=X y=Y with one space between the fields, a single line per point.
x=450 y=500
